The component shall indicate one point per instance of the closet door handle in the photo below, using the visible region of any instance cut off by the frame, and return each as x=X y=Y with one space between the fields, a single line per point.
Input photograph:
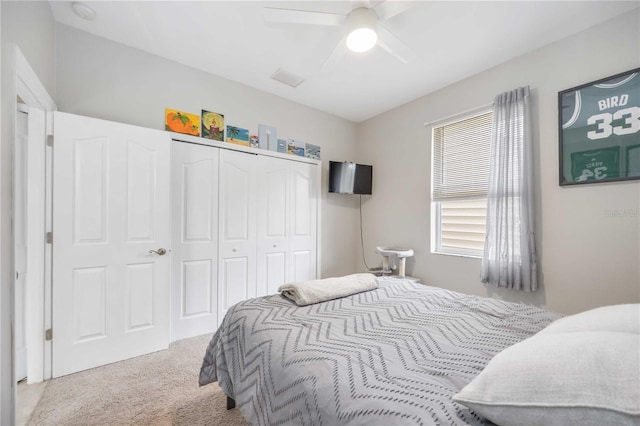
x=275 y=245
x=234 y=249
x=159 y=252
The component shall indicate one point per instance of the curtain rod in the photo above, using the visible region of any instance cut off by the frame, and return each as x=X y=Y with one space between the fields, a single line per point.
x=460 y=114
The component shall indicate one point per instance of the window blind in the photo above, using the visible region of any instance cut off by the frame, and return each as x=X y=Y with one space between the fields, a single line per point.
x=461 y=158
x=462 y=225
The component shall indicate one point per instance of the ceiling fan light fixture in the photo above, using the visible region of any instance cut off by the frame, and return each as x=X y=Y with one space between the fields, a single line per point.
x=361 y=39
x=361 y=23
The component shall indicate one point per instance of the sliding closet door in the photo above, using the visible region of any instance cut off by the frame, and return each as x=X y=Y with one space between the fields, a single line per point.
x=273 y=224
x=194 y=259
x=237 y=232
x=303 y=224
x=111 y=236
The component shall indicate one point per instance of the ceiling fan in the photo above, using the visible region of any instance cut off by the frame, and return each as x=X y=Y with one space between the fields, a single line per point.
x=362 y=28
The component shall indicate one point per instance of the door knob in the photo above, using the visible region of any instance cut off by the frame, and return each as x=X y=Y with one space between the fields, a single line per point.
x=234 y=249
x=159 y=252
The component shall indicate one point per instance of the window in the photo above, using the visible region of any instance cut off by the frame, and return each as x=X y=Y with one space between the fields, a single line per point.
x=460 y=175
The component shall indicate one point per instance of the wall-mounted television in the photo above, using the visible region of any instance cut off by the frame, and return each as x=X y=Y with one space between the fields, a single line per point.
x=350 y=178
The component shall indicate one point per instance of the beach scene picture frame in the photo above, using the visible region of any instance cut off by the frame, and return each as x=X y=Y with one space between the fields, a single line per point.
x=238 y=135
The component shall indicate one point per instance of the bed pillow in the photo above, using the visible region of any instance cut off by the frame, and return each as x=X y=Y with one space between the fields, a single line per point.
x=621 y=318
x=567 y=374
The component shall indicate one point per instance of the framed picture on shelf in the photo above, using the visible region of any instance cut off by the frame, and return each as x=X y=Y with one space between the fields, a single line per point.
x=295 y=147
x=253 y=141
x=599 y=130
x=181 y=122
x=213 y=125
x=238 y=135
x=267 y=137
x=312 y=151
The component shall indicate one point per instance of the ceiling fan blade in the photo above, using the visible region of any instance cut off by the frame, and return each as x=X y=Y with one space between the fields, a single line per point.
x=394 y=46
x=388 y=9
x=292 y=16
x=336 y=56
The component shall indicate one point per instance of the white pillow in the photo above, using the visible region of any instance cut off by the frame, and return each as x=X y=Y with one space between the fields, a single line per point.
x=623 y=318
x=566 y=374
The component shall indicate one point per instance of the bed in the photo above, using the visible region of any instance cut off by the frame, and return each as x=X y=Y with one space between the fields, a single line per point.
x=393 y=355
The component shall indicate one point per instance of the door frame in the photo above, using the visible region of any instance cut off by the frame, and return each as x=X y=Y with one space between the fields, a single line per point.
x=24 y=83
x=21 y=237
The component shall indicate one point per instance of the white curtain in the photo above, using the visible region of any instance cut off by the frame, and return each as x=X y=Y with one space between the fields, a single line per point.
x=509 y=249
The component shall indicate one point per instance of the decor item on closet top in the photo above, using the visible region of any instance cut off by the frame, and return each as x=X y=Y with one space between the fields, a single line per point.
x=181 y=122
x=312 y=151
x=267 y=137
x=254 y=141
x=295 y=147
x=238 y=135
x=282 y=146
x=599 y=126
x=213 y=125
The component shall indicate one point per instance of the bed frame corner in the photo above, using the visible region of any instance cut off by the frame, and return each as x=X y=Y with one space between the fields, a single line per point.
x=231 y=403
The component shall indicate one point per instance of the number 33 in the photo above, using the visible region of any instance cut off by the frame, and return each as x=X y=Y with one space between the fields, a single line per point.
x=604 y=130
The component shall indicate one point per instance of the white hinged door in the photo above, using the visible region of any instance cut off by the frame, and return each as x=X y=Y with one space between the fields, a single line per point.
x=111 y=208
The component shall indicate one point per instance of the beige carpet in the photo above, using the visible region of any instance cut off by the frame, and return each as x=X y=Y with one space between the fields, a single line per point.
x=155 y=389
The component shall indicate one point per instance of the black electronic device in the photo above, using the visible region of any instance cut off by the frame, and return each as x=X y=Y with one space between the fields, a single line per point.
x=350 y=178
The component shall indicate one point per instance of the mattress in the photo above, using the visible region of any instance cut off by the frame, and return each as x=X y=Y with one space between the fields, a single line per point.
x=390 y=356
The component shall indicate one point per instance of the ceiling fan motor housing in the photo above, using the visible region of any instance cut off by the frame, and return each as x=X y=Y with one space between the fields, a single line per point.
x=361 y=28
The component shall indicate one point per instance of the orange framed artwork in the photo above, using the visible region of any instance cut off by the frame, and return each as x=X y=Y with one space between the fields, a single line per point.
x=181 y=122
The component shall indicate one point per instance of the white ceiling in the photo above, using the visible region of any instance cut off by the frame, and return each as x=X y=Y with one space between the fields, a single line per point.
x=452 y=40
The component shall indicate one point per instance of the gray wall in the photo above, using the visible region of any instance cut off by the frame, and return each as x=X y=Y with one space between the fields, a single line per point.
x=103 y=79
x=587 y=257
x=30 y=26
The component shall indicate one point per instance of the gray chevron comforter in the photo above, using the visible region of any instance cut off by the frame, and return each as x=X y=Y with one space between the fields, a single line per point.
x=390 y=356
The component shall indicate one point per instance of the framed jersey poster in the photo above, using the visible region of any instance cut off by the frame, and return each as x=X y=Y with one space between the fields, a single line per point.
x=599 y=126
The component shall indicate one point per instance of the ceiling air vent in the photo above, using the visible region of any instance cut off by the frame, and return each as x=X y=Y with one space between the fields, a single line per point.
x=287 y=78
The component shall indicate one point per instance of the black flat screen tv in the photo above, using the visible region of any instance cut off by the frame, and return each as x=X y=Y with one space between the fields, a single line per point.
x=350 y=178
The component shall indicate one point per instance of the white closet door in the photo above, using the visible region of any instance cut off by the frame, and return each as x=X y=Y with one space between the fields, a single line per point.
x=237 y=234
x=194 y=258
x=303 y=224
x=272 y=224
x=111 y=206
